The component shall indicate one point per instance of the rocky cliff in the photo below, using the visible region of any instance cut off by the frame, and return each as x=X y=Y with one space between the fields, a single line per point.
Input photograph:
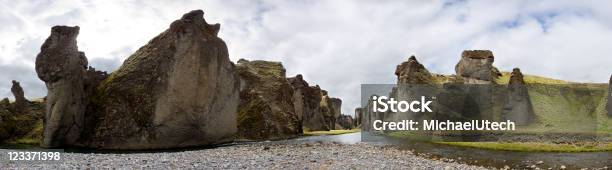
x=266 y=109
x=307 y=104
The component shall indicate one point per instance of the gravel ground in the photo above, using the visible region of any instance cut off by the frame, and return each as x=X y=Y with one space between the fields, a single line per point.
x=257 y=156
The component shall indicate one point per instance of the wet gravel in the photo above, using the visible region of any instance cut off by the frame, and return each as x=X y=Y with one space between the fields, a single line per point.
x=316 y=155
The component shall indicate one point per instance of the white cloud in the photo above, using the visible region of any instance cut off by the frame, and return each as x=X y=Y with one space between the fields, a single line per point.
x=336 y=44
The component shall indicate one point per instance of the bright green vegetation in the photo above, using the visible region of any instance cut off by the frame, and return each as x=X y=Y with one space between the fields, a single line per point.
x=530 y=79
x=331 y=132
x=534 y=146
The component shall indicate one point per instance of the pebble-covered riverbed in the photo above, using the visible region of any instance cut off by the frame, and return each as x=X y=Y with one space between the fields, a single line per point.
x=316 y=155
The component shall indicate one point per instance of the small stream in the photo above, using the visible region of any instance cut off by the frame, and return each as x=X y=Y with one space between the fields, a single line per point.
x=475 y=156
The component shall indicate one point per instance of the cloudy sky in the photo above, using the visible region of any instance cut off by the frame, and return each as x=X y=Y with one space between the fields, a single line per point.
x=337 y=44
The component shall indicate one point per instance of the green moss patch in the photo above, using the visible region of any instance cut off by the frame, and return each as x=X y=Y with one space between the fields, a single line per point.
x=331 y=132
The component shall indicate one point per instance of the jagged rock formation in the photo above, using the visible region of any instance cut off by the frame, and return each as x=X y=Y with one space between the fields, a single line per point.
x=62 y=67
x=266 y=109
x=21 y=104
x=307 y=104
x=345 y=121
x=178 y=90
x=476 y=67
x=413 y=72
x=518 y=107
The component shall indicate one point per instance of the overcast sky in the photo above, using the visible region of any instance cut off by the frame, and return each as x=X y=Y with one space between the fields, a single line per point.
x=337 y=44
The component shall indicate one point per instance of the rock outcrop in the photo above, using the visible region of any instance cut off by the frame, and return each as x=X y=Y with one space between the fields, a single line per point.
x=345 y=121
x=266 y=109
x=518 y=107
x=21 y=104
x=307 y=104
x=178 y=90
x=412 y=72
x=62 y=67
x=476 y=67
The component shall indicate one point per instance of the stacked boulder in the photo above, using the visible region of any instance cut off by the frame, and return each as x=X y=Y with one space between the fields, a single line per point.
x=476 y=67
x=266 y=109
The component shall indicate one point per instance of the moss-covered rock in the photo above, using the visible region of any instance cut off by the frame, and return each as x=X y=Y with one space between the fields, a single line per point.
x=266 y=109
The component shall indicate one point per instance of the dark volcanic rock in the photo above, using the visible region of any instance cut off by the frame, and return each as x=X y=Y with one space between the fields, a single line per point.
x=62 y=67
x=178 y=90
x=518 y=107
x=412 y=72
x=307 y=104
x=476 y=67
x=266 y=109
x=21 y=104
